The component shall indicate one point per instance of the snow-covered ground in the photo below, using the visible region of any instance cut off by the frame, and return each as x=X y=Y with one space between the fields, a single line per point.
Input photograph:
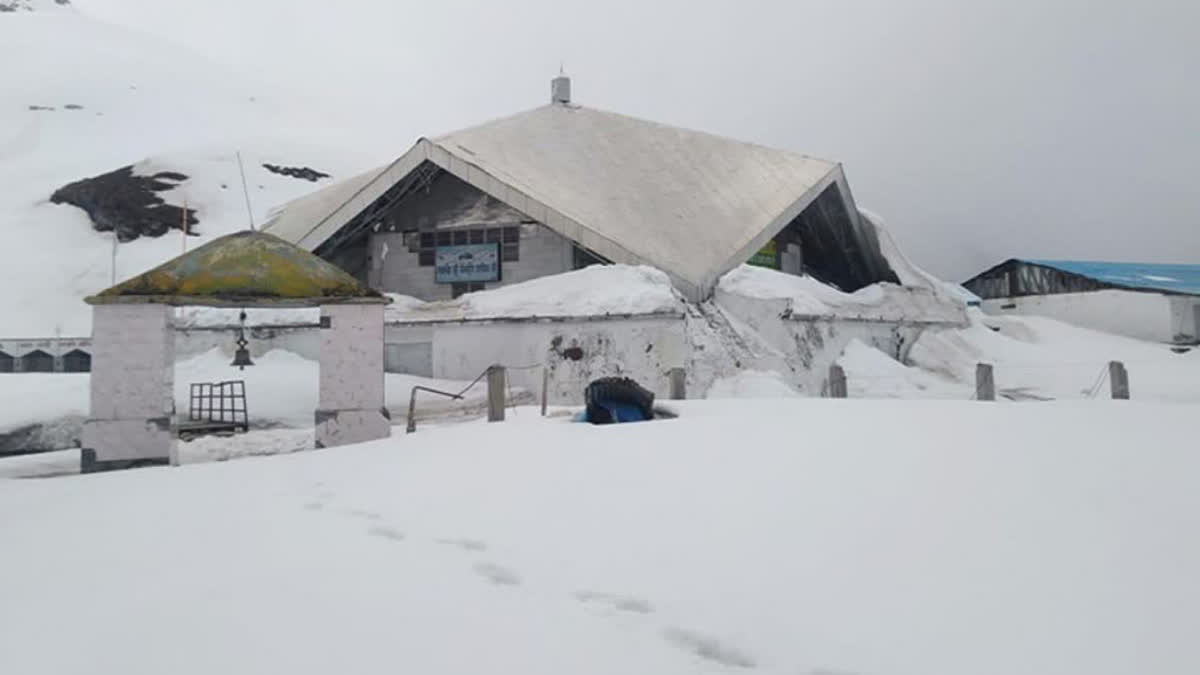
x=773 y=536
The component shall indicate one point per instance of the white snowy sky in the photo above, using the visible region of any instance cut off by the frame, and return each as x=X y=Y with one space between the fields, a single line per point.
x=980 y=130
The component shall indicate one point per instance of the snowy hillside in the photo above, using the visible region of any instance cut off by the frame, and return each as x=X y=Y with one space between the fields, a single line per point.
x=117 y=98
x=940 y=538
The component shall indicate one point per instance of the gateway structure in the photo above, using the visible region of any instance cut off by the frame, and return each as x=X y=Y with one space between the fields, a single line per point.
x=564 y=186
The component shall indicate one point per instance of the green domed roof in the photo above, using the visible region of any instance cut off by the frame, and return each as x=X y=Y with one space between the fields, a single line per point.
x=239 y=270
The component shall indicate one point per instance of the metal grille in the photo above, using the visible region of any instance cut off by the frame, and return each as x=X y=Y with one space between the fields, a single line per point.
x=219 y=403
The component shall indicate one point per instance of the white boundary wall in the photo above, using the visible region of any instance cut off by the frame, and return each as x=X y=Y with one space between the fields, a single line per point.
x=574 y=351
x=1146 y=316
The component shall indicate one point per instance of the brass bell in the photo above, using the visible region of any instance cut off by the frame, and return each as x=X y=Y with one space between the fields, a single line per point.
x=241 y=357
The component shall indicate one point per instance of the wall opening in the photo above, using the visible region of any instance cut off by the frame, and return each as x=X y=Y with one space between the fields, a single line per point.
x=37 y=361
x=77 y=361
x=824 y=242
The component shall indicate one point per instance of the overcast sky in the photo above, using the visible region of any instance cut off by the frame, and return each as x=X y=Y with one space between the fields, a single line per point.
x=979 y=130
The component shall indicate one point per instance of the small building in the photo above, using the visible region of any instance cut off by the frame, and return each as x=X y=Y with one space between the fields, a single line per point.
x=564 y=186
x=1157 y=302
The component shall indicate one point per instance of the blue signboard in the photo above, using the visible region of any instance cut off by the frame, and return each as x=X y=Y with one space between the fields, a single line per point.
x=469 y=262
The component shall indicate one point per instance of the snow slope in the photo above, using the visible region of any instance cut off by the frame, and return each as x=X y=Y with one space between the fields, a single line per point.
x=114 y=98
x=808 y=297
x=1040 y=357
x=942 y=538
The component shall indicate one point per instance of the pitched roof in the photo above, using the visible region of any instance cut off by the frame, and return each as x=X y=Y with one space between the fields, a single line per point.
x=242 y=269
x=692 y=204
x=1172 y=278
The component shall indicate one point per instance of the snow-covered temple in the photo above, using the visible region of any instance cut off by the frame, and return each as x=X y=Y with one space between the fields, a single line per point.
x=563 y=186
x=761 y=258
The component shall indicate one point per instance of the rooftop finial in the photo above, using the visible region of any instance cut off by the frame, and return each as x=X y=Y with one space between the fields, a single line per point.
x=560 y=88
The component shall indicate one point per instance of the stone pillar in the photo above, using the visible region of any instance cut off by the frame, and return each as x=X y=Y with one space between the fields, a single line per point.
x=131 y=423
x=351 y=401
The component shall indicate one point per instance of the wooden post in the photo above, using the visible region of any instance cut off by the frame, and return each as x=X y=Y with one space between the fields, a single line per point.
x=837 y=382
x=545 y=388
x=678 y=378
x=985 y=382
x=1120 y=380
x=495 y=388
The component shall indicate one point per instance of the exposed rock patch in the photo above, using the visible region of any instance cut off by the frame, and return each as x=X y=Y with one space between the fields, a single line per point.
x=302 y=172
x=26 y=5
x=128 y=203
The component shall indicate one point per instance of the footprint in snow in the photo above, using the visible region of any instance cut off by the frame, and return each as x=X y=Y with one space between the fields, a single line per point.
x=364 y=514
x=473 y=545
x=621 y=603
x=708 y=647
x=501 y=576
x=386 y=532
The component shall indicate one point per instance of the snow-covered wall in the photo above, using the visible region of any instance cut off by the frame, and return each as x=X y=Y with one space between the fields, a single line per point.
x=575 y=352
x=1146 y=316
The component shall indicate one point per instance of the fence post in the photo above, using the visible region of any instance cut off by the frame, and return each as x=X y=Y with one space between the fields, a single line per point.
x=837 y=382
x=678 y=377
x=1120 y=380
x=985 y=382
x=495 y=390
x=545 y=387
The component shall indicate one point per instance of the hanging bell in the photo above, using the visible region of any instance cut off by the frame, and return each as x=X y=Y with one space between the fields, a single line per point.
x=241 y=357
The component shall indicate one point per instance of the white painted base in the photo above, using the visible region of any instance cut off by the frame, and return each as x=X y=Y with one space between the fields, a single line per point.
x=129 y=440
x=343 y=427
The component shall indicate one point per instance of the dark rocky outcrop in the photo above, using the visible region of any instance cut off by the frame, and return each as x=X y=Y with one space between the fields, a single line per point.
x=128 y=203
x=302 y=172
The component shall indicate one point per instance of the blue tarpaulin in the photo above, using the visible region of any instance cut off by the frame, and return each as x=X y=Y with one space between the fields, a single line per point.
x=1155 y=276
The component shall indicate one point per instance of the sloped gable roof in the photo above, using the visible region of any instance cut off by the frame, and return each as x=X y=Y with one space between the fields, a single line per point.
x=692 y=204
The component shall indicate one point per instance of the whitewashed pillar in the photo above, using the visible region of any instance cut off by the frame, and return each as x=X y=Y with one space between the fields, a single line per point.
x=131 y=422
x=351 y=405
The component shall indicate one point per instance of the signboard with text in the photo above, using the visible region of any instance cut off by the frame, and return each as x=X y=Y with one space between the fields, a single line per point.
x=468 y=262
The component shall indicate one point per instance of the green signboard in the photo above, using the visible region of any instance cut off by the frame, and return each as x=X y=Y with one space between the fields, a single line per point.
x=768 y=256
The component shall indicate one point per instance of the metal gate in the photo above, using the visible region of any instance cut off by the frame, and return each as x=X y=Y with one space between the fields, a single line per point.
x=214 y=407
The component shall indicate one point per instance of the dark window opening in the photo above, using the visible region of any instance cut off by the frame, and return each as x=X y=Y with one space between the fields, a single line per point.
x=427 y=243
x=77 y=361
x=7 y=363
x=581 y=258
x=37 y=362
x=458 y=289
